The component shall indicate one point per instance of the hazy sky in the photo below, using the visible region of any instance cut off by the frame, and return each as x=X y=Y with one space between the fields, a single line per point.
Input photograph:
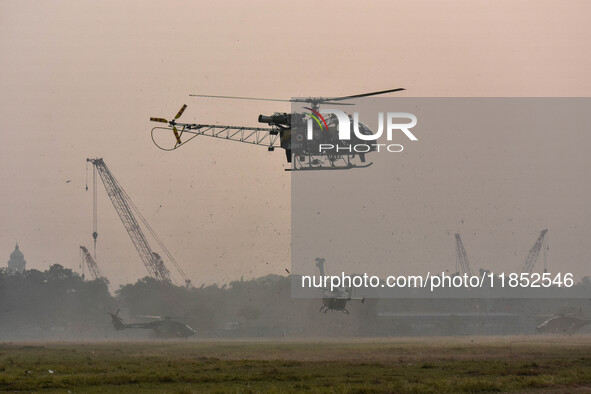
x=80 y=79
x=495 y=170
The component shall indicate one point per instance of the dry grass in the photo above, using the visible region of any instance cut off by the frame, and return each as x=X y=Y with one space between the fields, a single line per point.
x=481 y=364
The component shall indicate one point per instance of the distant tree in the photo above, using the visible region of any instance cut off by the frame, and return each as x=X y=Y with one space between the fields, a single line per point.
x=249 y=312
x=58 y=272
x=56 y=303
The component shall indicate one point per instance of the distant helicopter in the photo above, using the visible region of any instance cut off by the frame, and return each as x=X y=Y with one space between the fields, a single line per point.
x=337 y=299
x=562 y=325
x=164 y=326
x=304 y=154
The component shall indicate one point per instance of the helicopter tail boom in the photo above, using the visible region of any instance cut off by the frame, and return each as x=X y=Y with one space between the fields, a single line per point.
x=117 y=321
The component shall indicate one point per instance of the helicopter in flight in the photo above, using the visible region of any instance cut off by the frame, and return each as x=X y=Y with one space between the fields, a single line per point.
x=325 y=151
x=336 y=299
x=163 y=326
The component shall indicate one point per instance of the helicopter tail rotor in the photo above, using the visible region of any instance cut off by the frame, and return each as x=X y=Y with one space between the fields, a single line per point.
x=183 y=108
x=177 y=135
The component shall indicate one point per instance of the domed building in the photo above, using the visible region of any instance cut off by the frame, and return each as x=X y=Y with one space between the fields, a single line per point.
x=17 y=261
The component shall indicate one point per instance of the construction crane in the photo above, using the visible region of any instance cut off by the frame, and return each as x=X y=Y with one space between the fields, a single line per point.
x=125 y=207
x=320 y=265
x=534 y=252
x=462 y=264
x=91 y=264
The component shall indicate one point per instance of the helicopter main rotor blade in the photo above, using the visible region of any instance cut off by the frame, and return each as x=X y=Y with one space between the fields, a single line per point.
x=162 y=317
x=161 y=120
x=239 y=98
x=317 y=100
x=332 y=103
x=363 y=95
x=306 y=100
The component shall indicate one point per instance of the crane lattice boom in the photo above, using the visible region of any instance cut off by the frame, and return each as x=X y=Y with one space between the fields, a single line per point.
x=91 y=264
x=533 y=254
x=462 y=265
x=123 y=205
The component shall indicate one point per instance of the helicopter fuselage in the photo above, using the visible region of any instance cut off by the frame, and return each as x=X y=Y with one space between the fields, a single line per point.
x=163 y=327
x=338 y=139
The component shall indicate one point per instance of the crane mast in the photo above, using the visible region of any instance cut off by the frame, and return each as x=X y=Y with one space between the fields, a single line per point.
x=123 y=206
x=320 y=265
x=462 y=265
x=91 y=264
x=533 y=254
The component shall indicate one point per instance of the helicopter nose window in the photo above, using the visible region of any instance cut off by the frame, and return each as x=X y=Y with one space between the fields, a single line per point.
x=363 y=129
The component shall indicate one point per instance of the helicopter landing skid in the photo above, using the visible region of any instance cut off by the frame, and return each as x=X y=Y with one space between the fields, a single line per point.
x=328 y=168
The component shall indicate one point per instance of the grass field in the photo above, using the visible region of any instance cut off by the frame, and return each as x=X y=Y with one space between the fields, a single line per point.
x=480 y=364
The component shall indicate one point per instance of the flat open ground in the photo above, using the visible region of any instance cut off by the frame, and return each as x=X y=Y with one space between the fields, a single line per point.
x=469 y=364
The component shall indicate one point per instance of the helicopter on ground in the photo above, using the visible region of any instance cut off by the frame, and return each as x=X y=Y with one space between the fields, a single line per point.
x=337 y=299
x=562 y=325
x=324 y=152
x=163 y=326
